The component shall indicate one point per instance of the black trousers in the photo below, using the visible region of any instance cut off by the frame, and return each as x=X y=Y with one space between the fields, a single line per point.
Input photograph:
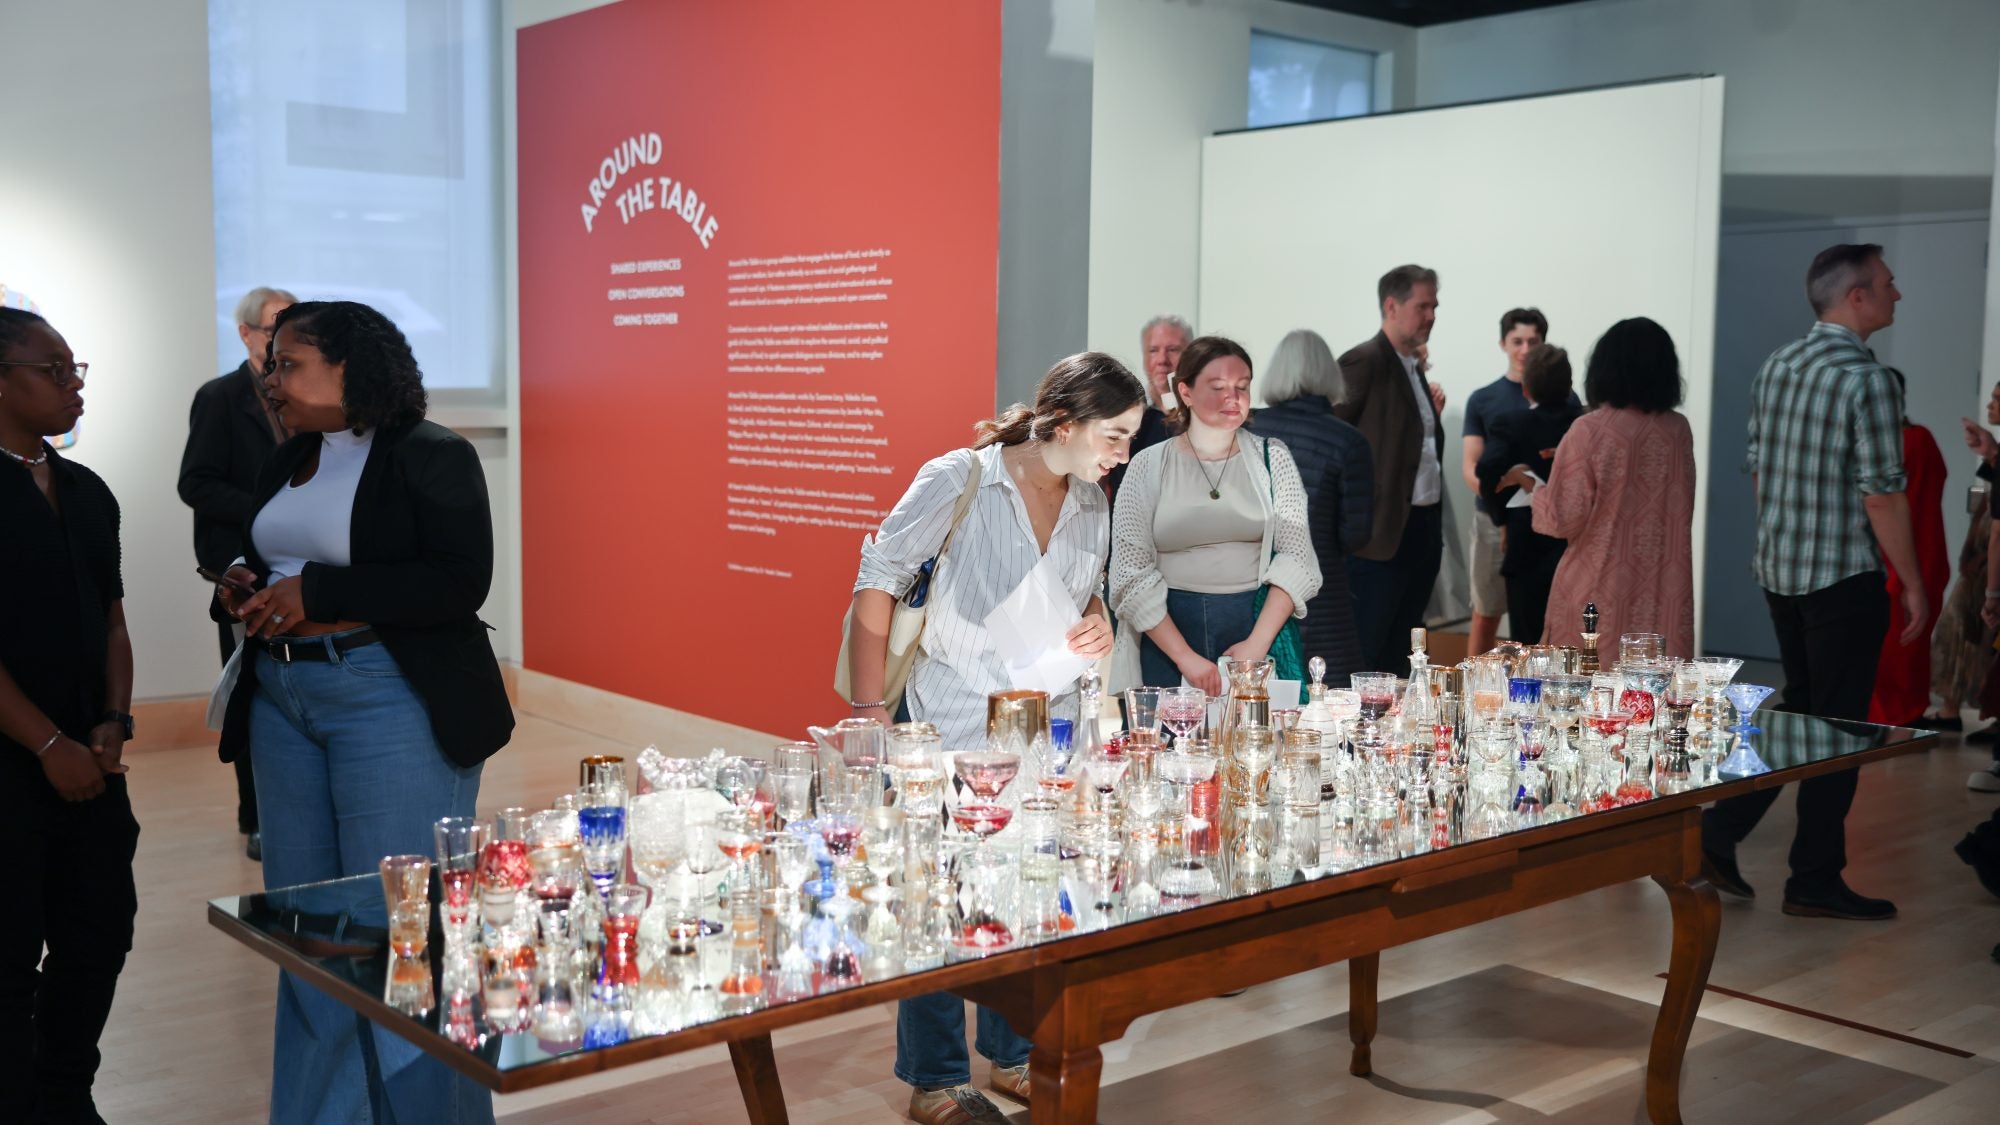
x=1528 y=600
x=1829 y=641
x=246 y=783
x=70 y=871
x=1390 y=594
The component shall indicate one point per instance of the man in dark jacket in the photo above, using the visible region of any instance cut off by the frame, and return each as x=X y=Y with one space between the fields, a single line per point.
x=1388 y=399
x=231 y=433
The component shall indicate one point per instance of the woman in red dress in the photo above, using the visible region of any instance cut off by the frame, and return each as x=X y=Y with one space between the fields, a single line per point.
x=1903 y=673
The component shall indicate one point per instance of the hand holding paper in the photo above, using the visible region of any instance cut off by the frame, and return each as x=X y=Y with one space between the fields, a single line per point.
x=1030 y=630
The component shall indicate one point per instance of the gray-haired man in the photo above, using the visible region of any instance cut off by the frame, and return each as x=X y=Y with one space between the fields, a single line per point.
x=231 y=432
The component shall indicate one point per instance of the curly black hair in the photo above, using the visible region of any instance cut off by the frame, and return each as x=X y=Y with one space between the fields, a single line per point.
x=1634 y=365
x=383 y=388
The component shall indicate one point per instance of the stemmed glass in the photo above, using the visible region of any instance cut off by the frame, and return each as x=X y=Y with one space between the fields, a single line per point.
x=882 y=843
x=739 y=835
x=1187 y=765
x=1609 y=725
x=1744 y=761
x=987 y=774
x=656 y=838
x=794 y=793
x=1182 y=710
x=1562 y=702
x=702 y=853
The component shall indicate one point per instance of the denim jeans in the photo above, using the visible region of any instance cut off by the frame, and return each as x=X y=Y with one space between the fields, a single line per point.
x=1210 y=623
x=348 y=772
x=930 y=1041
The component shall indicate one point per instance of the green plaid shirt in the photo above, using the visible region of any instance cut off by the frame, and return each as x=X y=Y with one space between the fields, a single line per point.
x=1826 y=429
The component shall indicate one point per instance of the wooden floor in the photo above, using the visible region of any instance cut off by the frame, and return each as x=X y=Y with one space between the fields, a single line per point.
x=1544 y=1015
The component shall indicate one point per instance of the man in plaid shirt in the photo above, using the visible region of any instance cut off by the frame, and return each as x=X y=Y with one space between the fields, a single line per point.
x=1826 y=453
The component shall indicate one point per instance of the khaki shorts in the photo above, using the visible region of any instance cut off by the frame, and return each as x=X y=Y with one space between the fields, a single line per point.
x=1489 y=590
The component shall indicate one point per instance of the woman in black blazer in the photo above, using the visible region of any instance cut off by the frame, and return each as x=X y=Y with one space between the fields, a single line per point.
x=367 y=690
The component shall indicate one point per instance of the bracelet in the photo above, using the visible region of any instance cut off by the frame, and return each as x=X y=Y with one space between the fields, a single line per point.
x=53 y=739
x=858 y=705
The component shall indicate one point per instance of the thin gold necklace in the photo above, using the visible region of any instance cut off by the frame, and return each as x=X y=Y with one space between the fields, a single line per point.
x=1215 y=483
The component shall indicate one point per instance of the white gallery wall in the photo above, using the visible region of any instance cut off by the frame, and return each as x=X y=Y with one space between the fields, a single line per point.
x=1167 y=74
x=1622 y=197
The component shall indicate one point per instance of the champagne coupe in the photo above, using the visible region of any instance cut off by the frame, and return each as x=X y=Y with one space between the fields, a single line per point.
x=1744 y=761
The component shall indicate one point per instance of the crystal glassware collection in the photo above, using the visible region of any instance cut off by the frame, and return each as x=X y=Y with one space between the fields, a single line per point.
x=691 y=889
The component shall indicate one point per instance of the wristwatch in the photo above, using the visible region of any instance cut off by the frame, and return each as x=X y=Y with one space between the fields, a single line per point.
x=119 y=717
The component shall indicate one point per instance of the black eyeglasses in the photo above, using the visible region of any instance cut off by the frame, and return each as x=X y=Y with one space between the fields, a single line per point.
x=64 y=374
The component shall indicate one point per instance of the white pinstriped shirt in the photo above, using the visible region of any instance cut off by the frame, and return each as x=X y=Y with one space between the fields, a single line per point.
x=992 y=552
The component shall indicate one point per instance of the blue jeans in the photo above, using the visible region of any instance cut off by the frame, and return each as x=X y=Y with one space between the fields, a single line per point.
x=348 y=772
x=930 y=1041
x=1210 y=623
x=1390 y=595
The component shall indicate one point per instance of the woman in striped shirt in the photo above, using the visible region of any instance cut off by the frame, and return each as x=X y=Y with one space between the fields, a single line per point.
x=1038 y=497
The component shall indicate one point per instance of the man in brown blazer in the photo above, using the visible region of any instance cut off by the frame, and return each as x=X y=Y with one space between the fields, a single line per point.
x=1392 y=403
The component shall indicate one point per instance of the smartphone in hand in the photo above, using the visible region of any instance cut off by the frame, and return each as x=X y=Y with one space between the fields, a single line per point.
x=235 y=584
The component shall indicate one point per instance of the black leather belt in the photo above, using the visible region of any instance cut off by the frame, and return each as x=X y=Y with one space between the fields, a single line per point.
x=284 y=650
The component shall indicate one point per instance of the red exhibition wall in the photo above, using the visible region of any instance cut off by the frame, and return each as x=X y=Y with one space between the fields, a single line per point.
x=758 y=255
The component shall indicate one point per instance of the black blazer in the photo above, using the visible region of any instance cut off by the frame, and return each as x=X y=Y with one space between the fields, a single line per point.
x=1380 y=402
x=228 y=442
x=422 y=548
x=1522 y=437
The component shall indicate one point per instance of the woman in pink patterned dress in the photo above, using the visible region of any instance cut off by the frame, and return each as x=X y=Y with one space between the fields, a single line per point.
x=1622 y=493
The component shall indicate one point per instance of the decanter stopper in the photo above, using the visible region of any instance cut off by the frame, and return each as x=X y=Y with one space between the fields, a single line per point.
x=1316 y=668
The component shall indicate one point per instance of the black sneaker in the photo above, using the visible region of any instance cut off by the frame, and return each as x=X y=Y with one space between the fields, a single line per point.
x=1984 y=736
x=1840 y=902
x=254 y=847
x=1937 y=723
x=1723 y=876
x=1981 y=863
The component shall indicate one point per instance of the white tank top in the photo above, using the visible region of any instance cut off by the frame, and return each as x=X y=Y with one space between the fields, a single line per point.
x=311 y=522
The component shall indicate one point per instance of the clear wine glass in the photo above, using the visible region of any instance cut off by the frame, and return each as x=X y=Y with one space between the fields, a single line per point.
x=1183 y=710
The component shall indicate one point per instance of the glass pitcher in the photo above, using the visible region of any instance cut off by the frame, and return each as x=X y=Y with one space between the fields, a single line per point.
x=1249 y=701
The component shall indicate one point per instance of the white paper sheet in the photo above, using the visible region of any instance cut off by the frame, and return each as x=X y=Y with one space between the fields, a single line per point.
x=1029 y=629
x=1522 y=498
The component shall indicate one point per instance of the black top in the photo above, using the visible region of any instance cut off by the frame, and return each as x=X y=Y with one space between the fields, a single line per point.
x=1339 y=478
x=59 y=575
x=1525 y=437
x=229 y=439
x=421 y=544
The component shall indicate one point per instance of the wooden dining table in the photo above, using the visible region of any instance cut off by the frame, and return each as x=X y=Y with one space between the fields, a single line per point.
x=1074 y=992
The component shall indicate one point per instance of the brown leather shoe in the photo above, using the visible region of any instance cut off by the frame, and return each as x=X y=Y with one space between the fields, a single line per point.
x=954 y=1105
x=1011 y=1081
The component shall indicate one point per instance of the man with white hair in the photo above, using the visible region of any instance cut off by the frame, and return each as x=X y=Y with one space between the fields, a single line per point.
x=231 y=432
x=1161 y=342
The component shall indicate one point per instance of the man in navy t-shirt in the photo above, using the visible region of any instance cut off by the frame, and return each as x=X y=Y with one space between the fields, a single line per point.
x=1521 y=332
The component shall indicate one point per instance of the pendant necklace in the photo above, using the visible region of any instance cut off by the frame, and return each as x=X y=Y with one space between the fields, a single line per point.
x=1215 y=482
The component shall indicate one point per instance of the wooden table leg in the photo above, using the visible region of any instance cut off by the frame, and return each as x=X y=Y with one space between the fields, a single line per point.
x=1697 y=922
x=757 y=1076
x=1361 y=974
x=1065 y=1065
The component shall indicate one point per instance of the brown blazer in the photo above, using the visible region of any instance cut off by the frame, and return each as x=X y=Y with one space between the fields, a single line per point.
x=1380 y=403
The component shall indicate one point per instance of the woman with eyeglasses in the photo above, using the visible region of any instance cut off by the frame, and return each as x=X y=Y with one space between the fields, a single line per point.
x=367 y=689
x=65 y=694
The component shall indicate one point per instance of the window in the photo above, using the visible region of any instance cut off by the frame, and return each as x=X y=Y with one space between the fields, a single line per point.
x=357 y=157
x=1292 y=80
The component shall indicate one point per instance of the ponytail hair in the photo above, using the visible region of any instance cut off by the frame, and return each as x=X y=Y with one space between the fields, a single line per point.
x=1079 y=388
x=1200 y=352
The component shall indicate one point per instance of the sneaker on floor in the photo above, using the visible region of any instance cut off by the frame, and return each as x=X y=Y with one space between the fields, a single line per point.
x=254 y=847
x=1011 y=1081
x=954 y=1105
x=1840 y=902
x=1982 y=864
x=1986 y=780
x=1722 y=874
x=1937 y=723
